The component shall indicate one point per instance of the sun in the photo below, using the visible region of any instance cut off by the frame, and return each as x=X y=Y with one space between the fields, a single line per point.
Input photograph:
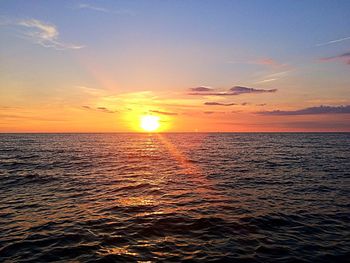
x=149 y=123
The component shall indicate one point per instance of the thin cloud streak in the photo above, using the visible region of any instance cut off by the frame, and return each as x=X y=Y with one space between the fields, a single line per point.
x=333 y=41
x=234 y=91
x=104 y=10
x=101 y=109
x=219 y=104
x=164 y=112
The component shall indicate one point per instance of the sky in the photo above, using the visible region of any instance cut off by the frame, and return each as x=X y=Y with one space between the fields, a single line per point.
x=197 y=65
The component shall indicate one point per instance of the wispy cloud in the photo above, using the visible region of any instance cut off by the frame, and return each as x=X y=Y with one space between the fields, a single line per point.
x=219 y=104
x=273 y=77
x=266 y=61
x=101 y=109
x=42 y=33
x=234 y=91
x=345 y=57
x=164 y=112
x=104 y=10
x=311 y=111
x=333 y=41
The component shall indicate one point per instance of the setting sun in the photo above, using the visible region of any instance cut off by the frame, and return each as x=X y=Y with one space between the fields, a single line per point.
x=149 y=123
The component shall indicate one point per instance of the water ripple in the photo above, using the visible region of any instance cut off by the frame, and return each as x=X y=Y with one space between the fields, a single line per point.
x=174 y=197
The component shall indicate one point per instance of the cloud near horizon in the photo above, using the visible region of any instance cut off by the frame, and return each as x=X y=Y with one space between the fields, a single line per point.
x=310 y=111
x=42 y=33
x=234 y=91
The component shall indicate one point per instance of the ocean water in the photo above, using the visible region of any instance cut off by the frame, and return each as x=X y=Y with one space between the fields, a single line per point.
x=234 y=197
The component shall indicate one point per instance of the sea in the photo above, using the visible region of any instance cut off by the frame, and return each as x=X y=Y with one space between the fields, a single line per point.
x=175 y=197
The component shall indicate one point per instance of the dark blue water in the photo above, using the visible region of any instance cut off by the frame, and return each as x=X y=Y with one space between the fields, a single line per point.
x=175 y=197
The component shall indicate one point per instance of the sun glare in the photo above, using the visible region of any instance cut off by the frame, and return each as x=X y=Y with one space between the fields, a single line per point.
x=149 y=123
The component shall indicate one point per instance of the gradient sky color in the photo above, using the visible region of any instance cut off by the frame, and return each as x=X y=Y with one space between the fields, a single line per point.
x=99 y=66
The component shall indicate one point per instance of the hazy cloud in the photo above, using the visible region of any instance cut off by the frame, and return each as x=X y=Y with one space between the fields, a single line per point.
x=164 y=112
x=104 y=109
x=311 y=111
x=268 y=62
x=262 y=61
x=345 y=57
x=94 y=8
x=42 y=33
x=219 y=104
x=234 y=91
x=319 y=125
x=213 y=112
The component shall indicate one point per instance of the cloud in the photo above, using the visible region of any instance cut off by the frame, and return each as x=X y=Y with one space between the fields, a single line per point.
x=261 y=104
x=274 y=76
x=219 y=104
x=234 y=91
x=101 y=109
x=201 y=89
x=241 y=90
x=164 y=112
x=266 y=80
x=213 y=112
x=94 y=8
x=345 y=57
x=104 y=10
x=311 y=111
x=319 y=125
x=333 y=41
x=44 y=34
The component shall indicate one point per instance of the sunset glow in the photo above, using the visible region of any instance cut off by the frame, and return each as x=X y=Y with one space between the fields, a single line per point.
x=149 y=123
x=174 y=131
x=221 y=74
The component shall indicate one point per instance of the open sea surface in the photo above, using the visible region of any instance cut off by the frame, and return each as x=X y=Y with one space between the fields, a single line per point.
x=227 y=197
